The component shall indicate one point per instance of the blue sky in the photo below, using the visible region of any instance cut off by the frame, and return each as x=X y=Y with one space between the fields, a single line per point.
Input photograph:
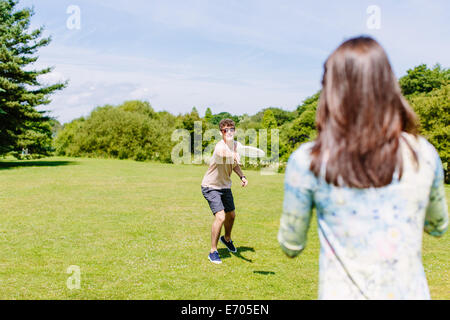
x=235 y=56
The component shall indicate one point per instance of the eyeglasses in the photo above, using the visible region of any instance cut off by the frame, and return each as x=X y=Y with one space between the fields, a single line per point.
x=228 y=130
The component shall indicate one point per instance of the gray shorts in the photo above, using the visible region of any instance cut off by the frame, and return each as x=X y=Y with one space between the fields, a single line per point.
x=219 y=199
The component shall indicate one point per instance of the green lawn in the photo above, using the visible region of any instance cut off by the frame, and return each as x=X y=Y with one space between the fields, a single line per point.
x=141 y=230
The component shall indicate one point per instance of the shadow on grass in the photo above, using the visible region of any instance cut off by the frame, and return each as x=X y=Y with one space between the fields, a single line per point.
x=265 y=273
x=34 y=163
x=224 y=253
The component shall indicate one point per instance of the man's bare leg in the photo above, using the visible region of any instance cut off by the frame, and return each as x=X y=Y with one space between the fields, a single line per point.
x=229 y=221
x=219 y=219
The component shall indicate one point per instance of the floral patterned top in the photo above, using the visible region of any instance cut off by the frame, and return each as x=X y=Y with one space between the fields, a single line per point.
x=370 y=239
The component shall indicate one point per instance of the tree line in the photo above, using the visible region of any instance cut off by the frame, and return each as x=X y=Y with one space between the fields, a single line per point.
x=134 y=130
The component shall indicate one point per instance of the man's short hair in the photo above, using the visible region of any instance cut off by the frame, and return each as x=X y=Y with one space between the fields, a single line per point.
x=226 y=123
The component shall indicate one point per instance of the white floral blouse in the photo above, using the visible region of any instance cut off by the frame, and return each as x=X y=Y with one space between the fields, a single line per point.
x=370 y=239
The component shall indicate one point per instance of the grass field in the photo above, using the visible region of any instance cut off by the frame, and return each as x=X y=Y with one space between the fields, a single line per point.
x=141 y=230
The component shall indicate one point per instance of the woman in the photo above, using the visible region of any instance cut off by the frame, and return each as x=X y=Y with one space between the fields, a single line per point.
x=375 y=184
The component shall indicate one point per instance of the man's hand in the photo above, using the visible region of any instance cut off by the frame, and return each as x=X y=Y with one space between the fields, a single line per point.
x=244 y=182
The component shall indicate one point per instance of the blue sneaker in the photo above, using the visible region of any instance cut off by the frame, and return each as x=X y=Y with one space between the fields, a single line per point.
x=214 y=257
x=230 y=245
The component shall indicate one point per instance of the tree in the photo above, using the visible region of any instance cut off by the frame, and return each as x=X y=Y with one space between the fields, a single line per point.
x=295 y=133
x=208 y=115
x=66 y=142
x=268 y=120
x=128 y=131
x=223 y=115
x=21 y=125
x=142 y=107
x=56 y=127
x=310 y=103
x=433 y=110
x=427 y=90
x=302 y=129
x=421 y=79
x=281 y=116
x=195 y=111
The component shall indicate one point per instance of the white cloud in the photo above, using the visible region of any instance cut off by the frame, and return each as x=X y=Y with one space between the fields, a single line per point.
x=52 y=77
x=97 y=79
x=140 y=94
x=231 y=56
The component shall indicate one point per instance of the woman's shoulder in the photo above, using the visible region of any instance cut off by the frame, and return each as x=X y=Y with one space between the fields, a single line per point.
x=430 y=164
x=421 y=145
x=302 y=154
x=297 y=171
x=300 y=159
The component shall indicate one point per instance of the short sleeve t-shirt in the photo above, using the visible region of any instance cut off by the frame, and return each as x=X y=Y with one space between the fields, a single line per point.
x=218 y=175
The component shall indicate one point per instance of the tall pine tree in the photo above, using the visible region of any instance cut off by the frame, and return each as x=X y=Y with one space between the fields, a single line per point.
x=21 y=124
x=208 y=115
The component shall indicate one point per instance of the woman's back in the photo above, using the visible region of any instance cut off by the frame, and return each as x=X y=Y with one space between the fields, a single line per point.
x=371 y=239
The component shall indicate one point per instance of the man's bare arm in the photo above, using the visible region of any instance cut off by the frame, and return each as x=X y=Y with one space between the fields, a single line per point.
x=238 y=171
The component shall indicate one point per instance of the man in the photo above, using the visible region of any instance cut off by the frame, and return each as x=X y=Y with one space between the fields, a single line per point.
x=216 y=188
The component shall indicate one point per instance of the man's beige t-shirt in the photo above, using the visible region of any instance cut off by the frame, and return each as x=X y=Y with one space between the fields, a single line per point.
x=220 y=169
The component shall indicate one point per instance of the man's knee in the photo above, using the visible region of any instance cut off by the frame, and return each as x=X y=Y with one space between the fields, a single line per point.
x=230 y=215
x=220 y=216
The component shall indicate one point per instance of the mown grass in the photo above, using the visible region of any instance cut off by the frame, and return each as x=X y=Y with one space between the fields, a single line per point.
x=141 y=230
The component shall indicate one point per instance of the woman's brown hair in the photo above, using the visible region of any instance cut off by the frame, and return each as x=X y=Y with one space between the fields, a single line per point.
x=360 y=117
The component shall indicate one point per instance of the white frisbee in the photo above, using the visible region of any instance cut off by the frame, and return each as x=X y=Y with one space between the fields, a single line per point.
x=249 y=151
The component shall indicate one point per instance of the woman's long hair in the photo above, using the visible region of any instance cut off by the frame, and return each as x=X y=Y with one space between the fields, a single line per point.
x=360 y=117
